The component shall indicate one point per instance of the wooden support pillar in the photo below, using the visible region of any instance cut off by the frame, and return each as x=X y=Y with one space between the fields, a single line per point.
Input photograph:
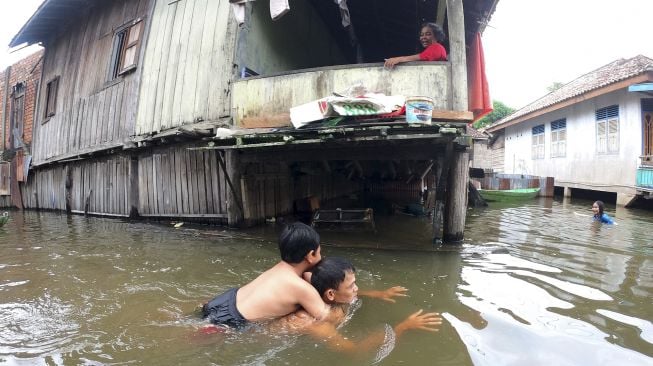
x=456 y=203
x=457 y=54
x=231 y=166
x=441 y=179
x=68 y=187
x=133 y=187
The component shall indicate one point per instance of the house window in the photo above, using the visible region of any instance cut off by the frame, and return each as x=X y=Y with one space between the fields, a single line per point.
x=559 y=138
x=126 y=43
x=647 y=126
x=538 y=142
x=51 y=97
x=607 y=130
x=17 y=115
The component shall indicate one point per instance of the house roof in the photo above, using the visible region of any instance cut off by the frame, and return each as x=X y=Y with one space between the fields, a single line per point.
x=603 y=79
x=474 y=133
x=49 y=19
x=53 y=16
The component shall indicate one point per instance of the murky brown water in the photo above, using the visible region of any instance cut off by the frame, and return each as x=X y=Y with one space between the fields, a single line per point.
x=532 y=285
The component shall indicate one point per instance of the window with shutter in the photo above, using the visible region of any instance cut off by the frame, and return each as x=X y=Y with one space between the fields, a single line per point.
x=51 y=91
x=537 y=151
x=607 y=130
x=126 y=44
x=647 y=127
x=559 y=138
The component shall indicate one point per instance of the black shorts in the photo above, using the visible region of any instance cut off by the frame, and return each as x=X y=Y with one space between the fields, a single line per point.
x=222 y=310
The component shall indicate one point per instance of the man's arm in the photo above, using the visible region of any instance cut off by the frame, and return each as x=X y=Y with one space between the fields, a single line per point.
x=326 y=331
x=311 y=301
x=385 y=295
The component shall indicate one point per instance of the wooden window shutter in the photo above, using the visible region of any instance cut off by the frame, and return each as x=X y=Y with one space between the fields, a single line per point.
x=601 y=141
x=131 y=43
x=51 y=97
x=613 y=135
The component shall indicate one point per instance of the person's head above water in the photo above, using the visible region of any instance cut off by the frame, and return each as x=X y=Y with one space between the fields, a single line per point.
x=430 y=33
x=297 y=240
x=598 y=208
x=334 y=278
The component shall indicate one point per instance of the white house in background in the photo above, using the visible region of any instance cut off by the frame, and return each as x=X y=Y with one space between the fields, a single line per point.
x=594 y=133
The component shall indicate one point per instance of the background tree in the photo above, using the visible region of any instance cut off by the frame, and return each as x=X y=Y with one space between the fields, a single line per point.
x=554 y=86
x=499 y=111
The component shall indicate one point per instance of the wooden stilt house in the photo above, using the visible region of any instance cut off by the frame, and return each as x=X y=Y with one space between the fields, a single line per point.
x=162 y=108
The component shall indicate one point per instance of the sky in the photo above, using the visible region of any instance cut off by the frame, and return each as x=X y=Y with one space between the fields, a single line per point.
x=13 y=15
x=529 y=44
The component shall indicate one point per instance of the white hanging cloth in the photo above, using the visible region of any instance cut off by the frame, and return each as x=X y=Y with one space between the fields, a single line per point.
x=278 y=8
x=238 y=7
x=344 y=12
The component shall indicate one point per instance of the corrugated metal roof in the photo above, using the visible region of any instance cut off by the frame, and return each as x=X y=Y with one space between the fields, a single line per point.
x=604 y=76
x=49 y=19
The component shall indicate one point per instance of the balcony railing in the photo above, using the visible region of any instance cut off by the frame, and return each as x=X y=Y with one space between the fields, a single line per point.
x=265 y=101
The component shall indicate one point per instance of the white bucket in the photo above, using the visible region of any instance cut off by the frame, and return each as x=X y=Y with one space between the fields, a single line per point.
x=419 y=110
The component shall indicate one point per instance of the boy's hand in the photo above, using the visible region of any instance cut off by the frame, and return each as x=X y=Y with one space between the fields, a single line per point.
x=417 y=320
x=396 y=291
x=385 y=295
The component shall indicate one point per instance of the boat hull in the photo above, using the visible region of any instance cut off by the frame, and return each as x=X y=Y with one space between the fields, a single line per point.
x=509 y=194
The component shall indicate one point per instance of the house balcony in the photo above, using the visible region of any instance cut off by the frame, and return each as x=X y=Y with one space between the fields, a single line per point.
x=265 y=101
x=645 y=174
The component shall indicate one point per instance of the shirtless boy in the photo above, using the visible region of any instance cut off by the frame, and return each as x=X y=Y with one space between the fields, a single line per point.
x=335 y=279
x=278 y=291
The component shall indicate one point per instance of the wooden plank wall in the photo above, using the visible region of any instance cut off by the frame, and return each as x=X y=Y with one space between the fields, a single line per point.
x=92 y=112
x=269 y=190
x=266 y=191
x=397 y=191
x=103 y=182
x=45 y=189
x=5 y=202
x=188 y=64
x=177 y=182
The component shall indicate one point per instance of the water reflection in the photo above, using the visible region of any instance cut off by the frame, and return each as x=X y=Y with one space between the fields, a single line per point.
x=532 y=284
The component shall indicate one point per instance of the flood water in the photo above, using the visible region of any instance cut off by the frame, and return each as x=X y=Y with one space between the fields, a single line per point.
x=534 y=284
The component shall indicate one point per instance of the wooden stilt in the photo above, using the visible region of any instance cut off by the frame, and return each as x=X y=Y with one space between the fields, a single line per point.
x=456 y=202
x=231 y=168
x=133 y=187
x=440 y=192
x=68 y=187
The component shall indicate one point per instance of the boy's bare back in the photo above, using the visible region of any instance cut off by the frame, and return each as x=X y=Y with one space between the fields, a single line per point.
x=277 y=292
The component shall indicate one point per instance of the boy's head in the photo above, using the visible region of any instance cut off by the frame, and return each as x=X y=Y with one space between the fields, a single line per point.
x=297 y=241
x=334 y=279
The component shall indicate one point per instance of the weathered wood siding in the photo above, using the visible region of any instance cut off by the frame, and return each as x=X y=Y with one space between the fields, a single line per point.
x=270 y=189
x=297 y=40
x=274 y=95
x=177 y=182
x=103 y=183
x=498 y=153
x=92 y=112
x=45 y=189
x=188 y=64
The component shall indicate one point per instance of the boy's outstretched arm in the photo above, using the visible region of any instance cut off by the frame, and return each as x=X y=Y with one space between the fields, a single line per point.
x=385 y=295
x=327 y=331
